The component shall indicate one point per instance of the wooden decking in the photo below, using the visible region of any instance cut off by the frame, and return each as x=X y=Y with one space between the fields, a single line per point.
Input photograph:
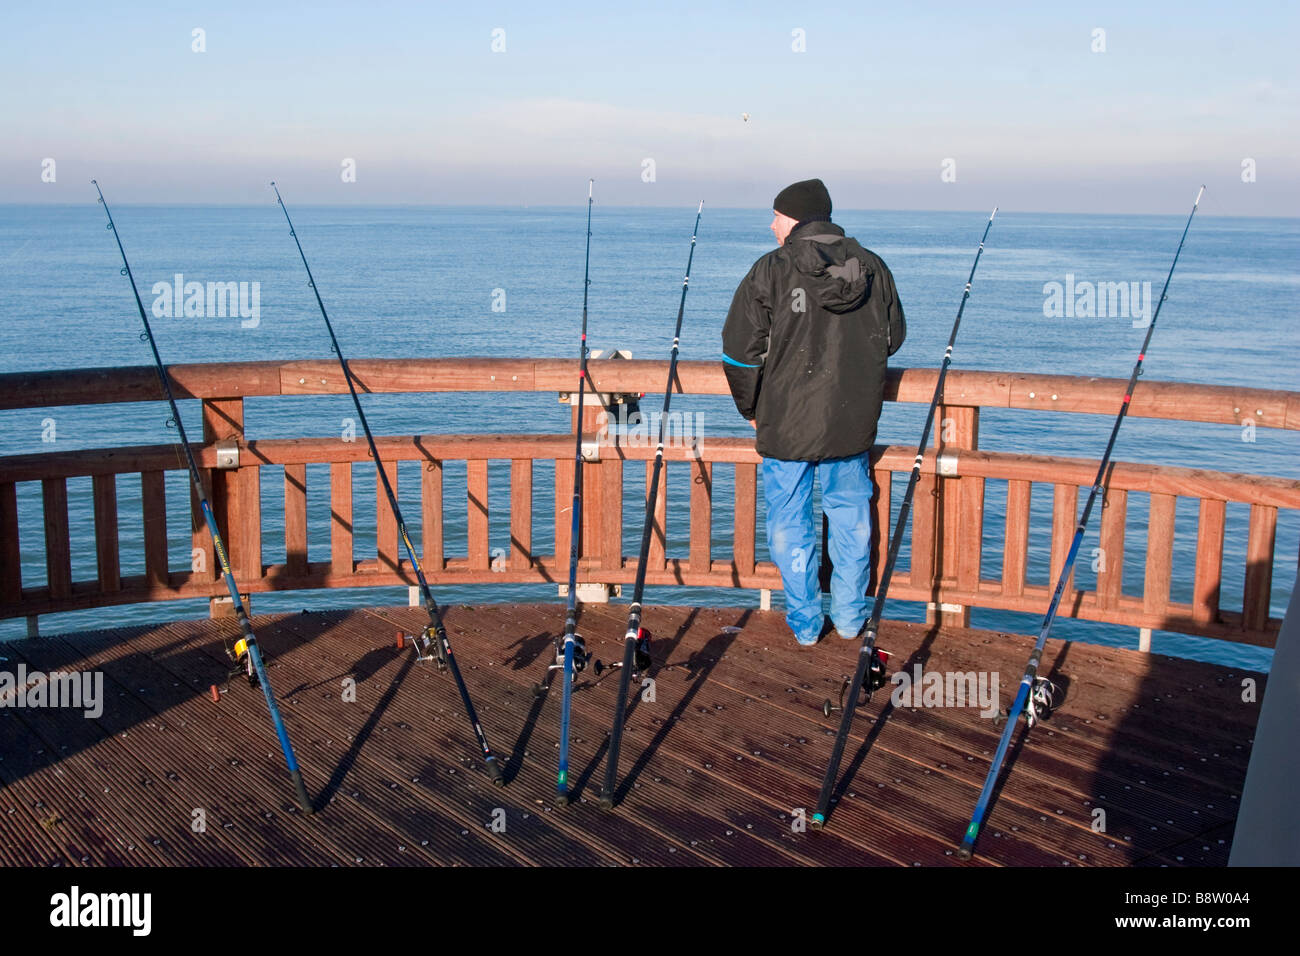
x=713 y=768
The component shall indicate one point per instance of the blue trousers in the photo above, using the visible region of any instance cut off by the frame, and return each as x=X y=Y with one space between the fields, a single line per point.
x=792 y=539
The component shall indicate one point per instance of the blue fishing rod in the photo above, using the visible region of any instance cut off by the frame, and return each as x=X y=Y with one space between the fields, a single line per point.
x=869 y=659
x=636 y=643
x=433 y=644
x=245 y=651
x=571 y=653
x=1036 y=696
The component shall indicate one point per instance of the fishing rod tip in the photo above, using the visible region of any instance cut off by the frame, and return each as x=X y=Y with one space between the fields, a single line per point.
x=993 y=213
x=701 y=209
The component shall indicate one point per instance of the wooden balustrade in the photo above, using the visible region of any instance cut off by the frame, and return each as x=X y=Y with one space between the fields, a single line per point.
x=946 y=537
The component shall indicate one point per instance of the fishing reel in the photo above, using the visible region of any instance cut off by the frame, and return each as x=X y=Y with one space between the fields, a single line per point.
x=1044 y=697
x=428 y=647
x=242 y=661
x=581 y=658
x=877 y=677
x=641 y=660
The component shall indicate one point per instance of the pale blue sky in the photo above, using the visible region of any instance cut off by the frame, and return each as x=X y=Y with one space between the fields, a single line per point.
x=1013 y=93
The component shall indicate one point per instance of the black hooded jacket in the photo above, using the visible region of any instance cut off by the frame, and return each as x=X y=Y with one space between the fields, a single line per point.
x=806 y=342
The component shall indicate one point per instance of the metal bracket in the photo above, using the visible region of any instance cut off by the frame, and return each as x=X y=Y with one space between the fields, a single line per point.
x=944 y=607
x=228 y=454
x=591 y=450
x=590 y=592
x=946 y=465
x=611 y=398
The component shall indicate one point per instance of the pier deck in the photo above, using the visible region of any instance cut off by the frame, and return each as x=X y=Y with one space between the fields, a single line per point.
x=712 y=768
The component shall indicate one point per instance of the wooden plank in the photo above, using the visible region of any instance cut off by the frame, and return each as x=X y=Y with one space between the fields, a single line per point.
x=1209 y=560
x=153 y=497
x=387 y=546
x=477 y=483
x=521 y=514
x=1016 y=542
x=611 y=527
x=1160 y=554
x=104 y=493
x=923 y=534
x=295 y=518
x=431 y=515
x=11 y=562
x=657 y=559
x=1110 y=576
x=204 y=567
x=593 y=512
x=1268 y=408
x=323 y=376
x=1259 y=566
x=1131 y=477
x=701 y=516
x=884 y=481
x=341 y=517
x=246 y=524
x=957 y=431
x=58 y=547
x=564 y=512
x=746 y=517
x=1065 y=519
x=971 y=533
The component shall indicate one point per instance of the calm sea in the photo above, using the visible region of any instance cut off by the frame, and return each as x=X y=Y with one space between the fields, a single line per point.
x=422 y=281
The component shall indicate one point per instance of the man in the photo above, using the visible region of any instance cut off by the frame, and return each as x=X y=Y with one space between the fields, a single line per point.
x=805 y=347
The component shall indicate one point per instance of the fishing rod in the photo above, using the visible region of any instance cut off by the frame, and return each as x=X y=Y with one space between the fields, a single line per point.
x=636 y=643
x=1036 y=695
x=571 y=654
x=869 y=659
x=433 y=644
x=245 y=651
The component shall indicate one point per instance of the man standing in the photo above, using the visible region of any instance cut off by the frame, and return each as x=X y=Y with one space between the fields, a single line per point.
x=805 y=347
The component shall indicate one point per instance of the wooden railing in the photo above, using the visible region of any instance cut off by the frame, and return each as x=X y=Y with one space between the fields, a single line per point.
x=946 y=536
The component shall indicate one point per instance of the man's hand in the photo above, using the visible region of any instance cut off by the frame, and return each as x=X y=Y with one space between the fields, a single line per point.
x=753 y=424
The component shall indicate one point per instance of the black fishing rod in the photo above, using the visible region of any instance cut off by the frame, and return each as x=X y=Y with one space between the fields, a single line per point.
x=868 y=657
x=571 y=655
x=1036 y=695
x=636 y=645
x=433 y=644
x=246 y=650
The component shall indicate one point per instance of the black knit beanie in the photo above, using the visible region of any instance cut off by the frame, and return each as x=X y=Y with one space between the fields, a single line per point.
x=806 y=201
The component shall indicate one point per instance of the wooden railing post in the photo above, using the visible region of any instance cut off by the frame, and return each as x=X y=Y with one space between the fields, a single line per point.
x=960 y=515
x=231 y=492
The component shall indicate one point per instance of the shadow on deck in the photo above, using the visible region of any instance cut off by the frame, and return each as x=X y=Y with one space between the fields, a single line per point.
x=712 y=769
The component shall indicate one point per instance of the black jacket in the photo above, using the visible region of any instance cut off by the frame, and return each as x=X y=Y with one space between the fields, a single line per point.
x=806 y=341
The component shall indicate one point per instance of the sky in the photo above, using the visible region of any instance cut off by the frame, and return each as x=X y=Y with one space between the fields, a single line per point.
x=955 y=106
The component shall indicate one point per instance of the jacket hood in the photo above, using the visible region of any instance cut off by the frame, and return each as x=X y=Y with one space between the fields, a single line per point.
x=839 y=278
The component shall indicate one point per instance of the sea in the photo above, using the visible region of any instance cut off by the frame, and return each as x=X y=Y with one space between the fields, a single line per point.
x=428 y=282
